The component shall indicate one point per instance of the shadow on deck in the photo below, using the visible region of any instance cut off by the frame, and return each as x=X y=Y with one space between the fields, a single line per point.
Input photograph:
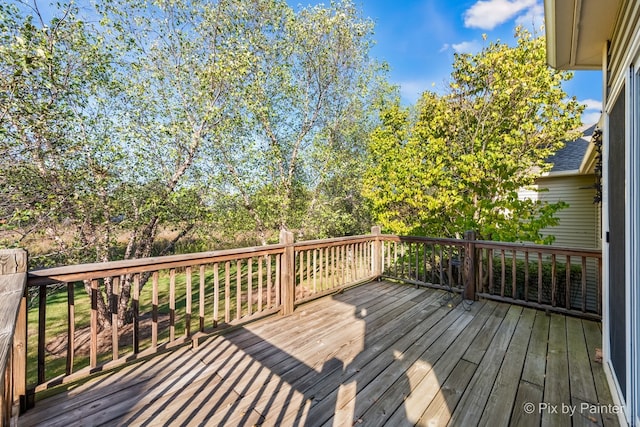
x=378 y=354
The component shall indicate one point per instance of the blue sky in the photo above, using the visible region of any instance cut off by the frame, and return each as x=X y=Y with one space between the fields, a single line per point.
x=418 y=38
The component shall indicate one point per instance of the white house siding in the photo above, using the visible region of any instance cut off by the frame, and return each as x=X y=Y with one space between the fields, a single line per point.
x=579 y=222
x=579 y=225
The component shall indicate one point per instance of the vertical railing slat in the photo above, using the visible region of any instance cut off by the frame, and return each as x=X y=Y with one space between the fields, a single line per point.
x=201 y=298
x=238 y=289
x=526 y=275
x=227 y=291
x=315 y=271
x=269 y=282
x=135 y=305
x=503 y=272
x=514 y=275
x=567 y=291
x=554 y=281
x=250 y=286
x=71 y=327
x=188 y=302
x=260 y=283
x=93 y=351
x=216 y=294
x=115 y=290
x=583 y=279
x=154 y=309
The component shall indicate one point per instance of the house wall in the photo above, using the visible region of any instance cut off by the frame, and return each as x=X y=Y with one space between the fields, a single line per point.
x=621 y=291
x=580 y=222
x=621 y=49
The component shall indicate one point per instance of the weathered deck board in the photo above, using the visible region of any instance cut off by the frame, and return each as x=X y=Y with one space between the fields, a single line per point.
x=379 y=354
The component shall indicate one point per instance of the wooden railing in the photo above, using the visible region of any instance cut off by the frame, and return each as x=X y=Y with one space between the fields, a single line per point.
x=564 y=280
x=424 y=261
x=176 y=300
x=13 y=333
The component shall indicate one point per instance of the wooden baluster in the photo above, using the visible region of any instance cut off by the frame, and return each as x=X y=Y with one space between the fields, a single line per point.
x=503 y=273
x=323 y=269
x=201 y=299
x=227 y=292
x=216 y=294
x=238 y=289
x=115 y=296
x=260 y=283
x=450 y=265
x=278 y=257
x=188 y=302
x=514 y=276
x=299 y=278
x=249 y=286
x=490 y=267
x=154 y=310
x=343 y=264
x=135 y=305
x=480 y=271
x=269 y=283
x=433 y=263
x=553 y=280
x=93 y=350
x=395 y=259
x=526 y=275
x=308 y=277
x=584 y=284
x=71 y=327
x=315 y=271
x=599 y=286
x=567 y=287
x=441 y=265
x=539 y=277
x=172 y=304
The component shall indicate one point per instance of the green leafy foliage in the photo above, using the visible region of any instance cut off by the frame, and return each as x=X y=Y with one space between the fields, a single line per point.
x=123 y=120
x=458 y=162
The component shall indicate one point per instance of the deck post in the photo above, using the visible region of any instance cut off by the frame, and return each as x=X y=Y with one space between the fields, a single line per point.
x=13 y=305
x=376 y=256
x=287 y=273
x=470 y=266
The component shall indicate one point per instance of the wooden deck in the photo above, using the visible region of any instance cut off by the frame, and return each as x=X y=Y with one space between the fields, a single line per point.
x=378 y=354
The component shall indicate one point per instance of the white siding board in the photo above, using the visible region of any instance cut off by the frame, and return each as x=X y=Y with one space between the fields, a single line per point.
x=579 y=222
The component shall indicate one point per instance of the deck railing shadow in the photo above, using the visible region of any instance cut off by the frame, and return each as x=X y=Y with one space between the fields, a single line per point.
x=183 y=299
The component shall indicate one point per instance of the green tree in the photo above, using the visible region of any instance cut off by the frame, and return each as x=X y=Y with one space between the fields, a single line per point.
x=102 y=127
x=457 y=163
x=179 y=115
x=304 y=104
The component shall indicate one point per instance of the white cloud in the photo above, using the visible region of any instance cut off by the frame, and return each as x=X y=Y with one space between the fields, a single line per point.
x=445 y=47
x=591 y=104
x=488 y=14
x=472 y=46
x=411 y=91
x=533 y=19
x=590 y=118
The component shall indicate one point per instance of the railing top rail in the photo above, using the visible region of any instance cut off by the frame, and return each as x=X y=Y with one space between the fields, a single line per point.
x=488 y=244
x=436 y=240
x=319 y=243
x=105 y=269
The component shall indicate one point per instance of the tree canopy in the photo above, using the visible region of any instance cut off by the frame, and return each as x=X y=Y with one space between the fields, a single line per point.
x=458 y=161
x=127 y=119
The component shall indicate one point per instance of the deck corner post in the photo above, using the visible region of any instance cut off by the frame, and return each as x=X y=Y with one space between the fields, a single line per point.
x=470 y=266
x=376 y=259
x=13 y=263
x=287 y=273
